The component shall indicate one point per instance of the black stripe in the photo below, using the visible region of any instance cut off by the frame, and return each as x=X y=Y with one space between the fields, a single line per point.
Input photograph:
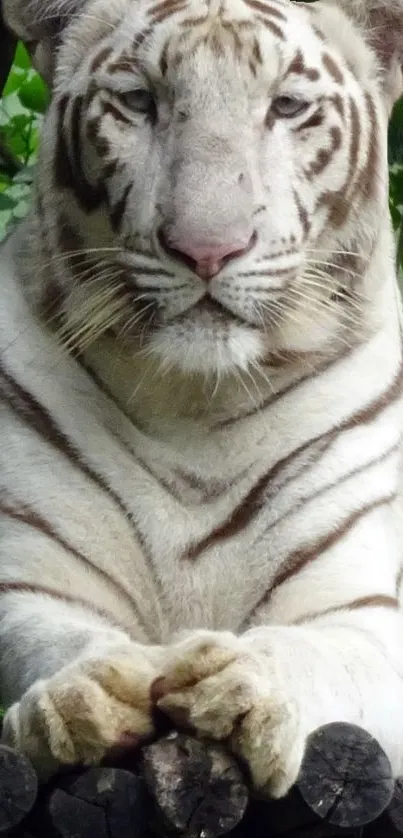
x=39 y=419
x=69 y=172
x=23 y=513
x=117 y=211
x=43 y=590
x=253 y=502
x=370 y=601
x=303 y=556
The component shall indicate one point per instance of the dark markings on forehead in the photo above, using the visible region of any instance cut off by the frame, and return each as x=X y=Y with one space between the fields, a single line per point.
x=100 y=58
x=332 y=68
x=325 y=155
x=166 y=8
x=219 y=37
x=215 y=43
x=194 y=21
x=265 y=9
x=299 y=68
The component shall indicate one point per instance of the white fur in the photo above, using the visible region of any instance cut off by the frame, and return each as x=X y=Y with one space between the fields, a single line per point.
x=195 y=422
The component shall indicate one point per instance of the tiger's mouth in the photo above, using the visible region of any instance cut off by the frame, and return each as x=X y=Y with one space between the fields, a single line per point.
x=210 y=307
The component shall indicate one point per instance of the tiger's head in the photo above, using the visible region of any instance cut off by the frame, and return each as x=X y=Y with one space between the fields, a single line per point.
x=212 y=184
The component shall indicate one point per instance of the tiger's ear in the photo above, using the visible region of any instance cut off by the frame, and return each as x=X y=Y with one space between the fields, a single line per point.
x=381 y=23
x=39 y=23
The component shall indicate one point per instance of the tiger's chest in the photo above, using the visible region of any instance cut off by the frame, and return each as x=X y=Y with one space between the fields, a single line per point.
x=166 y=535
x=216 y=527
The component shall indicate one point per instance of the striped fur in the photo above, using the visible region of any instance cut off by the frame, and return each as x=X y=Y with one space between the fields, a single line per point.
x=217 y=458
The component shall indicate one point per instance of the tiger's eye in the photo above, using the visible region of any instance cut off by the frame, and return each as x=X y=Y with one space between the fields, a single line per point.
x=288 y=106
x=141 y=101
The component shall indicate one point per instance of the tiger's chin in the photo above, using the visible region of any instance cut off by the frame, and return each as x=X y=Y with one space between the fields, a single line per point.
x=207 y=349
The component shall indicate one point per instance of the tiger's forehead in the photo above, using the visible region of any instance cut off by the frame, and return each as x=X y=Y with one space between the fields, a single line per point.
x=238 y=18
x=203 y=38
x=264 y=35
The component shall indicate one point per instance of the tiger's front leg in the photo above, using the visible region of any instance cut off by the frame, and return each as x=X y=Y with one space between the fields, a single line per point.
x=78 y=686
x=266 y=691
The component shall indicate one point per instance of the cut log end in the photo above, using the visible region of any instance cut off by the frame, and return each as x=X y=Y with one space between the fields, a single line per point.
x=346 y=777
x=18 y=788
x=198 y=786
x=102 y=802
x=395 y=809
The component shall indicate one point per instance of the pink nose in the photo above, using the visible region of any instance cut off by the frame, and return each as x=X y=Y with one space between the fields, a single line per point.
x=206 y=260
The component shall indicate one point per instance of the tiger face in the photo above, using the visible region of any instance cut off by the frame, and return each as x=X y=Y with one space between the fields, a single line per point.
x=220 y=165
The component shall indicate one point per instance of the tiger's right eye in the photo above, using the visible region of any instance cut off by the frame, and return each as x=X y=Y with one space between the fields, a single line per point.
x=141 y=101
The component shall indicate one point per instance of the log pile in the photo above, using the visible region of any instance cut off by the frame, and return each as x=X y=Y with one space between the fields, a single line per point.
x=181 y=786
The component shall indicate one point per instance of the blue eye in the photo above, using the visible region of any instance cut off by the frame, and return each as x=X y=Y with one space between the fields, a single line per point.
x=288 y=106
x=140 y=101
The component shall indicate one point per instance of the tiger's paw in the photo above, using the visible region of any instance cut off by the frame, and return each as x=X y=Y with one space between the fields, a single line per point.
x=217 y=687
x=79 y=714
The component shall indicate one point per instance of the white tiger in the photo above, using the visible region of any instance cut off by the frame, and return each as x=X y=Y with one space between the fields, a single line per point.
x=201 y=373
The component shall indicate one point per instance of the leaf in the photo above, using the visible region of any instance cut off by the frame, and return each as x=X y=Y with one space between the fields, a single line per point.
x=6 y=203
x=21 y=208
x=21 y=58
x=396 y=216
x=15 y=79
x=395 y=140
x=34 y=95
x=25 y=176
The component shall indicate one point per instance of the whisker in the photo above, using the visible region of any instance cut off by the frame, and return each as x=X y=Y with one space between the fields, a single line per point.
x=319 y=263
x=336 y=252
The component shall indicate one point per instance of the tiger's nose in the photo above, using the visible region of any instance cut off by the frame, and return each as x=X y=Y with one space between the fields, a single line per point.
x=205 y=259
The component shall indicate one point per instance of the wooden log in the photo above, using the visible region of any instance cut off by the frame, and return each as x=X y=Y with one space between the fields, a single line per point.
x=18 y=788
x=390 y=825
x=394 y=812
x=197 y=786
x=346 y=777
x=185 y=786
x=99 y=803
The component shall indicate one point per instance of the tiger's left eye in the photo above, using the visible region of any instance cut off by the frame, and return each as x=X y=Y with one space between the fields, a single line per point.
x=288 y=106
x=140 y=101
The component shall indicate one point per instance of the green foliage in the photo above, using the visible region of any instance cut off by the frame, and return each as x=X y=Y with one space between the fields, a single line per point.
x=24 y=101
x=23 y=104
